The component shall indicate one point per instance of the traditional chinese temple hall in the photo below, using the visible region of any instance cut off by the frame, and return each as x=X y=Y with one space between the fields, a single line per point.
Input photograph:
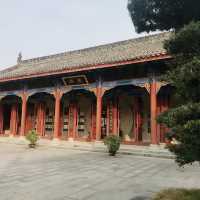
x=88 y=94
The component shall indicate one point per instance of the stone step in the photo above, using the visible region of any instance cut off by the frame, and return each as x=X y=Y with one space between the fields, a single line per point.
x=148 y=151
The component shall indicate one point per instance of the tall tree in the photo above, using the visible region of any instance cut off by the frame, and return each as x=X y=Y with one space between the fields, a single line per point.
x=151 y=15
x=184 y=75
x=183 y=16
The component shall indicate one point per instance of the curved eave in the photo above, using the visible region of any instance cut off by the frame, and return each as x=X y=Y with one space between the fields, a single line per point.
x=161 y=56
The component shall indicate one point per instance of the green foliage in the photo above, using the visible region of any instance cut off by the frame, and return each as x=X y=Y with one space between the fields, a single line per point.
x=183 y=71
x=32 y=137
x=178 y=194
x=184 y=122
x=151 y=15
x=185 y=42
x=113 y=144
x=180 y=115
x=184 y=75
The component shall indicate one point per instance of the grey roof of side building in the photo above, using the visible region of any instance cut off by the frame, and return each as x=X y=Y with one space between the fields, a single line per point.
x=99 y=55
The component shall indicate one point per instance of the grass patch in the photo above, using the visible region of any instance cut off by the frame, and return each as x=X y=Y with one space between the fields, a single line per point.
x=178 y=194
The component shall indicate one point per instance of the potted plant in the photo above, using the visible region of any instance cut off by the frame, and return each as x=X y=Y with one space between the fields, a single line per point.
x=113 y=143
x=32 y=137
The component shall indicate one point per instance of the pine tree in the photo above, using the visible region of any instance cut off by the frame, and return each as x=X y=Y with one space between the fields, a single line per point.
x=182 y=16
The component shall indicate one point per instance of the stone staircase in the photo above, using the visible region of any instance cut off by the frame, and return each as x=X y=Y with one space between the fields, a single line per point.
x=149 y=151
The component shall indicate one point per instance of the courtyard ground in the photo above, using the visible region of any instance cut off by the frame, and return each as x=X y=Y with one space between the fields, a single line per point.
x=48 y=173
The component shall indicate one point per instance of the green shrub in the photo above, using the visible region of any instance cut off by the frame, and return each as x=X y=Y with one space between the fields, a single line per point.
x=113 y=143
x=178 y=194
x=32 y=137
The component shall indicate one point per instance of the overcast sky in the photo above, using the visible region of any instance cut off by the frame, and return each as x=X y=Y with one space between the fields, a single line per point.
x=43 y=27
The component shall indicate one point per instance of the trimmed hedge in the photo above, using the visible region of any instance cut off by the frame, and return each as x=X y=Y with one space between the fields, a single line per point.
x=178 y=194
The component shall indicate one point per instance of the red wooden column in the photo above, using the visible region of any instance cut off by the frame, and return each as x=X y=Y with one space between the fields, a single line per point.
x=57 y=114
x=137 y=118
x=40 y=119
x=159 y=105
x=43 y=118
x=1 y=119
x=75 y=120
x=99 y=94
x=93 y=122
x=162 y=127
x=108 y=118
x=115 y=117
x=23 y=116
x=153 y=109
x=38 y=114
x=13 y=119
x=29 y=124
x=164 y=107
x=70 y=131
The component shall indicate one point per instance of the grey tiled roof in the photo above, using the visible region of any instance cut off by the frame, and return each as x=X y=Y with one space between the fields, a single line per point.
x=105 y=54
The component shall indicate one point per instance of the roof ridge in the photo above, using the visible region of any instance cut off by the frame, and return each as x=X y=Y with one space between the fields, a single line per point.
x=8 y=69
x=106 y=54
x=90 y=48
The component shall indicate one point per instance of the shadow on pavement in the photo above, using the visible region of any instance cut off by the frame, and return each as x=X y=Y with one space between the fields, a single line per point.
x=140 y=198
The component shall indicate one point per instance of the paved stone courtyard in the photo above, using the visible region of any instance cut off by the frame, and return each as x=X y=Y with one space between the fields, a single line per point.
x=60 y=174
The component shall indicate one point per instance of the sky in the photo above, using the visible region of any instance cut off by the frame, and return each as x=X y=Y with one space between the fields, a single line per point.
x=42 y=27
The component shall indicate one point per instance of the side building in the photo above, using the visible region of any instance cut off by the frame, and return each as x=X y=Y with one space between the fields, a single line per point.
x=88 y=94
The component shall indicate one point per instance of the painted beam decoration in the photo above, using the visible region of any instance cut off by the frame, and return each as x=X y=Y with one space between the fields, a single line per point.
x=75 y=80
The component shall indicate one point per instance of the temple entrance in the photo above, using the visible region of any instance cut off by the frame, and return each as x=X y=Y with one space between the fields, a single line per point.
x=77 y=114
x=40 y=114
x=126 y=113
x=11 y=117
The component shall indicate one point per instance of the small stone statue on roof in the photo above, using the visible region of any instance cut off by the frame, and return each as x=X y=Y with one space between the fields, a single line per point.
x=19 y=58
